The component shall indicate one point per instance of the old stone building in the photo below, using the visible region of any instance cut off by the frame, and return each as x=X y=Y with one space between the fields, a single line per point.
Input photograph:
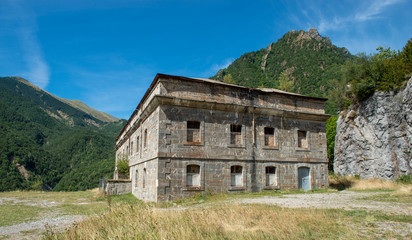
x=191 y=135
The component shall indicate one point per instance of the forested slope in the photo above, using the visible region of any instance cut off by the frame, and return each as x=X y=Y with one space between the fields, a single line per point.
x=48 y=144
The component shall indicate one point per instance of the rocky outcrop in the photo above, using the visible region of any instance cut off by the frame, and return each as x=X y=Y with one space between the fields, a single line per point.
x=374 y=138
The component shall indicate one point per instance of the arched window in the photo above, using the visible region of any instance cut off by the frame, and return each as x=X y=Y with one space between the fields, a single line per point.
x=271 y=176
x=193 y=175
x=236 y=175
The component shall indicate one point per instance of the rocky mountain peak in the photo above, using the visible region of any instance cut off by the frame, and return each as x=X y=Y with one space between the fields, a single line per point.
x=313 y=34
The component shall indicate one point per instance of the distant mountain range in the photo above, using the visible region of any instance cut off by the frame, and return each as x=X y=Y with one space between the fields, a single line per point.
x=52 y=143
x=310 y=62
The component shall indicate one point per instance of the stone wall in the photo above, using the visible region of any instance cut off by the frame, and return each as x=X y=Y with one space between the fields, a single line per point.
x=118 y=187
x=216 y=177
x=374 y=138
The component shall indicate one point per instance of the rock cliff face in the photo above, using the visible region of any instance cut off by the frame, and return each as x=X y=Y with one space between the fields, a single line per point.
x=374 y=138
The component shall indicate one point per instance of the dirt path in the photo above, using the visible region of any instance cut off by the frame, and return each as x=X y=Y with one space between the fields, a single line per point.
x=347 y=200
x=34 y=229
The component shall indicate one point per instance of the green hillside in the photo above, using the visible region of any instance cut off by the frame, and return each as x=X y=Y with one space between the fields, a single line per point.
x=306 y=63
x=48 y=144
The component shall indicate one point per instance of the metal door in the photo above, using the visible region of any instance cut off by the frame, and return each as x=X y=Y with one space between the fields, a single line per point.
x=303 y=178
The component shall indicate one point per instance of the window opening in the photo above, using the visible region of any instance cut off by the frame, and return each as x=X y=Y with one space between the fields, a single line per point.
x=145 y=139
x=236 y=134
x=269 y=136
x=144 y=177
x=236 y=176
x=270 y=176
x=193 y=131
x=302 y=139
x=131 y=148
x=136 y=177
x=193 y=175
x=137 y=144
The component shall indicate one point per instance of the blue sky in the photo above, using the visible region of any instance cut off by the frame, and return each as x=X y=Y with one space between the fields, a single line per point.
x=106 y=52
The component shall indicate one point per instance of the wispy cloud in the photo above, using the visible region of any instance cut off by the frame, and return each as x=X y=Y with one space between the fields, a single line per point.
x=367 y=12
x=216 y=67
x=26 y=32
x=374 y=9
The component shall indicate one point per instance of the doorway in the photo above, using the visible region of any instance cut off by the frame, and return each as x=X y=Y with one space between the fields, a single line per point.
x=304 y=178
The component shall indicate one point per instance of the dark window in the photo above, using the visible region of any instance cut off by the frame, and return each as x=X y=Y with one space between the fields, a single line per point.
x=193 y=131
x=302 y=139
x=144 y=178
x=270 y=136
x=137 y=144
x=236 y=134
x=136 y=177
x=145 y=138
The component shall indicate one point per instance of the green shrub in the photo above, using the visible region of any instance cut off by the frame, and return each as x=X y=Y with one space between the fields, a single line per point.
x=406 y=179
x=123 y=166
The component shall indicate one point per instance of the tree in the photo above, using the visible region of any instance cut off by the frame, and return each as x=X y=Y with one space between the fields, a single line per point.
x=285 y=83
x=228 y=79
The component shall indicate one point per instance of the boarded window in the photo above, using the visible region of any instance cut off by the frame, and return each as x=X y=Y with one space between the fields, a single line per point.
x=303 y=139
x=236 y=176
x=193 y=175
x=271 y=176
x=270 y=136
x=193 y=131
x=236 y=134
x=144 y=178
x=145 y=138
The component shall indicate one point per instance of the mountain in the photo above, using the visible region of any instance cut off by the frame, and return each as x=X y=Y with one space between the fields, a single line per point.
x=309 y=63
x=52 y=143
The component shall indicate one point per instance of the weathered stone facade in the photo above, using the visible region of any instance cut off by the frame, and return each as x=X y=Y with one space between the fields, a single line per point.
x=192 y=135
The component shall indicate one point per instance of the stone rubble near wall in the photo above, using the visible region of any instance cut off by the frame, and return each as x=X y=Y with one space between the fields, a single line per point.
x=374 y=139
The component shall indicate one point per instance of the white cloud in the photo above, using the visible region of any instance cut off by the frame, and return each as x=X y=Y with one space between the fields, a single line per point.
x=216 y=67
x=37 y=68
x=373 y=10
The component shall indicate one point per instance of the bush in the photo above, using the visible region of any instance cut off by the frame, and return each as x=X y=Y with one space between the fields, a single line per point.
x=406 y=179
x=123 y=166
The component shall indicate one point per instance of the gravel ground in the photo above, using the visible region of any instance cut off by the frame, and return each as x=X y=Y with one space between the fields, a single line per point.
x=340 y=200
x=34 y=229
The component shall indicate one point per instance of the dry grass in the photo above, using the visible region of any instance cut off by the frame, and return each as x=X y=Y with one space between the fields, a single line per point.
x=353 y=183
x=127 y=221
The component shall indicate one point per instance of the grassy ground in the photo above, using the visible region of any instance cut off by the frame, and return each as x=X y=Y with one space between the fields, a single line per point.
x=212 y=216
